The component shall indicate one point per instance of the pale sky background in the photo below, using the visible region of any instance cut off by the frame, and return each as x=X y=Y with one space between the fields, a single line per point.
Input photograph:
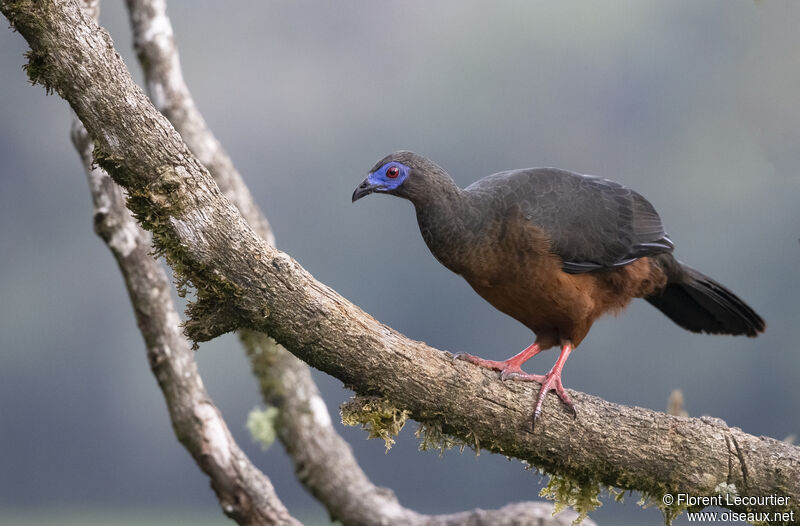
x=695 y=105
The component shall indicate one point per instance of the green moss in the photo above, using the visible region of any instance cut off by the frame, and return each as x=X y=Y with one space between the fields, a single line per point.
x=28 y=18
x=581 y=490
x=156 y=207
x=433 y=438
x=564 y=491
x=39 y=70
x=261 y=424
x=377 y=415
x=618 y=494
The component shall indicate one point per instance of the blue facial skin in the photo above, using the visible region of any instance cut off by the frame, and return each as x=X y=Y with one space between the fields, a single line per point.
x=385 y=183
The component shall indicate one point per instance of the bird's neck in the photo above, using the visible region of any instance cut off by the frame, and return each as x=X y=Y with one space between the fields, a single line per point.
x=449 y=225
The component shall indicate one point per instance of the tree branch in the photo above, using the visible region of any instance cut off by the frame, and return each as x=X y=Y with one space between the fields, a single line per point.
x=323 y=460
x=242 y=282
x=245 y=494
x=155 y=46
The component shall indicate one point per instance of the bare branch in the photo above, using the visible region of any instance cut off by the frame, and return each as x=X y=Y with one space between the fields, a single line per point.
x=243 y=282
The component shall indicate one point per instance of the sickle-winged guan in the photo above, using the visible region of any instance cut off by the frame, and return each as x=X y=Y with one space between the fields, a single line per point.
x=555 y=250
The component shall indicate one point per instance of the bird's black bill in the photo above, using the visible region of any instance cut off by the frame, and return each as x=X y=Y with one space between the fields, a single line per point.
x=365 y=188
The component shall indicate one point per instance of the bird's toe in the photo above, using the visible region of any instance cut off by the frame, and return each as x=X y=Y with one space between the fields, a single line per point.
x=552 y=382
x=489 y=364
x=519 y=375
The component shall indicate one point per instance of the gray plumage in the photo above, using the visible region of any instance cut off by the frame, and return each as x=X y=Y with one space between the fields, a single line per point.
x=592 y=223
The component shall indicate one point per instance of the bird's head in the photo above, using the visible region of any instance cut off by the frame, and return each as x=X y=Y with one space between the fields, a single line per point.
x=404 y=174
x=387 y=176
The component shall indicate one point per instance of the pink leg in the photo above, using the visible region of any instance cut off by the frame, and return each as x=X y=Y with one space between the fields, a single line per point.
x=509 y=368
x=550 y=381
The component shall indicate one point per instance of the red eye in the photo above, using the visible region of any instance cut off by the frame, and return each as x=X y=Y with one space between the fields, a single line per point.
x=392 y=172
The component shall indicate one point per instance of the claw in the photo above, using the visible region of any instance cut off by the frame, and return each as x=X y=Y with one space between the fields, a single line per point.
x=552 y=382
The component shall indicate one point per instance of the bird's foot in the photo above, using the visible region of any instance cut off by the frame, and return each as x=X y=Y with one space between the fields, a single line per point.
x=549 y=382
x=508 y=368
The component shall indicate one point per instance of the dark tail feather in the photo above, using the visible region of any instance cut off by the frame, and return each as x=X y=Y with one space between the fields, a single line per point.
x=698 y=303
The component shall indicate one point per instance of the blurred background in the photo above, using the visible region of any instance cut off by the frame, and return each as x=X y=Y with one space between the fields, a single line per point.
x=694 y=104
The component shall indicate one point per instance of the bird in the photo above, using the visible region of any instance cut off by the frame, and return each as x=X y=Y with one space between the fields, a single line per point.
x=555 y=250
